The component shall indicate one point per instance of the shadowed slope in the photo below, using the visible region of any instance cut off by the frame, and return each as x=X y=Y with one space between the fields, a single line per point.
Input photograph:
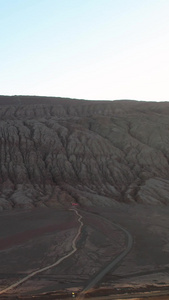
x=54 y=151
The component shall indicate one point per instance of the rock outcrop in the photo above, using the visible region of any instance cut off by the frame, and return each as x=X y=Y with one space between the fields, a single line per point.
x=56 y=151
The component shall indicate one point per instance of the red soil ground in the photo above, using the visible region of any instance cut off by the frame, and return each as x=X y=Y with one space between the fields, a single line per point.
x=106 y=228
x=23 y=237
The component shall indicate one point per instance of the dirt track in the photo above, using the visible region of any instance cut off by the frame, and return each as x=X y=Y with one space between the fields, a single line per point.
x=53 y=265
x=95 y=247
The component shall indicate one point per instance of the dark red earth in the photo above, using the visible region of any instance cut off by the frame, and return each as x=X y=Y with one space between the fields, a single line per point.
x=23 y=237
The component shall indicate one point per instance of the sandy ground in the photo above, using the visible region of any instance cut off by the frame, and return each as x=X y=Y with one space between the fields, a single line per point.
x=33 y=239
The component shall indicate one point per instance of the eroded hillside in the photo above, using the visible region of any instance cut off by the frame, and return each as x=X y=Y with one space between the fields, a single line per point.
x=56 y=151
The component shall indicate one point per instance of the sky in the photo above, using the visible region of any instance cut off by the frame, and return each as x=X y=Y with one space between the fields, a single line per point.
x=85 y=49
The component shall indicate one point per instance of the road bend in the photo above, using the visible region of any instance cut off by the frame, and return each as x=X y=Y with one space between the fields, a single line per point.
x=112 y=265
x=74 y=249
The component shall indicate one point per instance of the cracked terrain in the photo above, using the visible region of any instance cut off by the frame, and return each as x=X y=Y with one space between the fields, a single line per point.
x=111 y=159
x=54 y=151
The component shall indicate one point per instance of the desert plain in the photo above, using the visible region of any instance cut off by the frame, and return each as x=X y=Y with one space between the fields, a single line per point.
x=37 y=238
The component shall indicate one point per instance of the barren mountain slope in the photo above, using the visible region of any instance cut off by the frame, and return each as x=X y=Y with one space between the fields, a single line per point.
x=56 y=151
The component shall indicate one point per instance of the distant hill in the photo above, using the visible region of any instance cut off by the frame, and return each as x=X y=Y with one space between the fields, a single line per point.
x=55 y=151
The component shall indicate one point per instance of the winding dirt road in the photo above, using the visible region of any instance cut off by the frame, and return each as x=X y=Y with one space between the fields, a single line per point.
x=113 y=264
x=54 y=264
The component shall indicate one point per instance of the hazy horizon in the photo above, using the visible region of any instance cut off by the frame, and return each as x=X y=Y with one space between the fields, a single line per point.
x=92 y=50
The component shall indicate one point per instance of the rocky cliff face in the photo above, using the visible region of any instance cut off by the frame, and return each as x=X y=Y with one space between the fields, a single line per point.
x=56 y=151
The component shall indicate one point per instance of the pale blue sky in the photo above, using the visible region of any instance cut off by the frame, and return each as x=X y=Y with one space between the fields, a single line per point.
x=87 y=49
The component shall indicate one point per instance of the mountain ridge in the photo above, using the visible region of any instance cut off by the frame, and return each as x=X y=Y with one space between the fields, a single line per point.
x=55 y=151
